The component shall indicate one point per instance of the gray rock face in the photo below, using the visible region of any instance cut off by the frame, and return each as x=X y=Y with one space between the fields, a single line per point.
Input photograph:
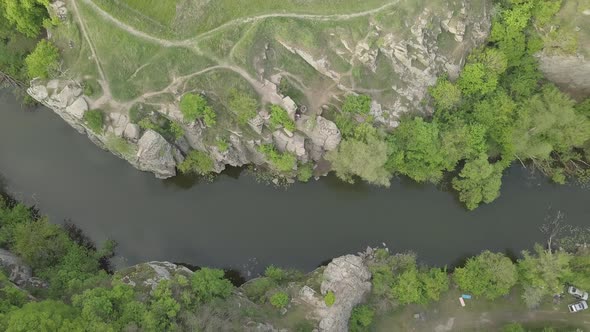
x=132 y=132
x=15 y=268
x=78 y=108
x=323 y=134
x=62 y=99
x=156 y=155
x=571 y=73
x=293 y=144
x=149 y=275
x=349 y=278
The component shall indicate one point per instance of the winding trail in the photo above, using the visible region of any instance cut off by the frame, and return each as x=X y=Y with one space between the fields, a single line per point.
x=267 y=93
x=191 y=41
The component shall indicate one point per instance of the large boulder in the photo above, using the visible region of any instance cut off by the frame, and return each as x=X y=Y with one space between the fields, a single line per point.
x=348 y=277
x=156 y=155
x=147 y=276
x=324 y=135
x=295 y=144
x=78 y=108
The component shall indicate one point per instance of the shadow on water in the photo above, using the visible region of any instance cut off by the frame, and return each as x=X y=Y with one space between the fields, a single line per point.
x=187 y=181
x=233 y=275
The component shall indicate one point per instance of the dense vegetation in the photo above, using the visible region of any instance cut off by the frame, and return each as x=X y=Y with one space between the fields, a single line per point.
x=21 y=25
x=498 y=111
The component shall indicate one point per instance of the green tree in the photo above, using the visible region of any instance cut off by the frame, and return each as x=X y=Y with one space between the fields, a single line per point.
x=43 y=316
x=210 y=283
x=26 y=15
x=446 y=95
x=548 y=122
x=416 y=151
x=43 y=62
x=94 y=120
x=197 y=162
x=365 y=159
x=479 y=181
x=476 y=80
x=194 y=106
x=490 y=275
x=40 y=243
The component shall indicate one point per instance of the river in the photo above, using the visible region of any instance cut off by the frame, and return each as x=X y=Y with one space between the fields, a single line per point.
x=238 y=223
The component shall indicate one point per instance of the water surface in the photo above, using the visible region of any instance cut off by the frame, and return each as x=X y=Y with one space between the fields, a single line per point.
x=238 y=223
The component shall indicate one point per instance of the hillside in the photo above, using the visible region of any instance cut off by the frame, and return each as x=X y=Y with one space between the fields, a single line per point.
x=135 y=60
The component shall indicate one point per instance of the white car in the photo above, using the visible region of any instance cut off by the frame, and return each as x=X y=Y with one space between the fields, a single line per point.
x=577 y=293
x=579 y=306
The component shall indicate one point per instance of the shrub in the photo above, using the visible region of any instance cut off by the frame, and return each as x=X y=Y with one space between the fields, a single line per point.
x=222 y=145
x=330 y=298
x=256 y=289
x=176 y=130
x=120 y=145
x=275 y=273
x=283 y=162
x=43 y=61
x=197 y=162
x=305 y=172
x=279 y=300
x=244 y=106
x=195 y=107
x=280 y=118
x=94 y=119
x=361 y=319
x=360 y=104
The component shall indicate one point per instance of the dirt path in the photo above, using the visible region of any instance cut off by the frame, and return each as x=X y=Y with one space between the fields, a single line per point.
x=104 y=83
x=192 y=41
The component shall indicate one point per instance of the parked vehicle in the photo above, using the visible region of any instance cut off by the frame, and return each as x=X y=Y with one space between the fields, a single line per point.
x=578 y=306
x=577 y=293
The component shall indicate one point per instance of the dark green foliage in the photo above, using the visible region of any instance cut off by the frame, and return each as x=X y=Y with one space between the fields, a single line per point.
x=280 y=118
x=197 y=162
x=416 y=151
x=478 y=182
x=279 y=300
x=194 y=106
x=490 y=275
x=210 y=283
x=94 y=120
x=361 y=319
x=43 y=62
x=360 y=104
